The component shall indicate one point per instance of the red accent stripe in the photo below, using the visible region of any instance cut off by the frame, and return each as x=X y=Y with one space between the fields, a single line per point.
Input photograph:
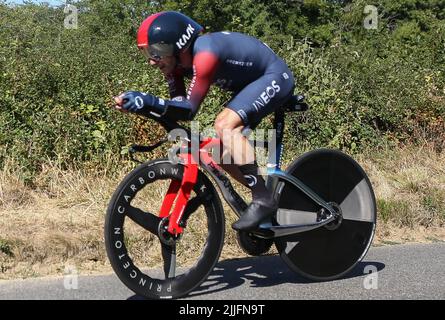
x=205 y=64
x=143 y=30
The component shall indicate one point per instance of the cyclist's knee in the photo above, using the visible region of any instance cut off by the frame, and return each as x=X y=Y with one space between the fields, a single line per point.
x=228 y=123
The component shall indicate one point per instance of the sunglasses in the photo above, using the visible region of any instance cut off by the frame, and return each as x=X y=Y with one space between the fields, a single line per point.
x=155 y=54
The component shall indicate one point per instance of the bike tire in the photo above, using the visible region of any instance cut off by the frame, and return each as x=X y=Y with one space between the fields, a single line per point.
x=322 y=254
x=122 y=218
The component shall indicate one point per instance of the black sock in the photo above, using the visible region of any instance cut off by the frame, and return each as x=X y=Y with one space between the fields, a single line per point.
x=256 y=183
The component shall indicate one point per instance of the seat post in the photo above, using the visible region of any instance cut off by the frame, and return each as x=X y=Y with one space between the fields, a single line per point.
x=276 y=141
x=274 y=161
x=278 y=126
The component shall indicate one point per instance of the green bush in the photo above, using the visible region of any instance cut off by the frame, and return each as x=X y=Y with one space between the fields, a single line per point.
x=365 y=87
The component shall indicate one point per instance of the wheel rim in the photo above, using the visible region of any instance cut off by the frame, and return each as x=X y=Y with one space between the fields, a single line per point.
x=324 y=254
x=131 y=234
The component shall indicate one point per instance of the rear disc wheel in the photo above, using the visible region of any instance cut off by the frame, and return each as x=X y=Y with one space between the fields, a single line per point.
x=331 y=251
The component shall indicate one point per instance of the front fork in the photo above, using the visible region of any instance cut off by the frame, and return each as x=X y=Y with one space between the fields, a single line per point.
x=179 y=191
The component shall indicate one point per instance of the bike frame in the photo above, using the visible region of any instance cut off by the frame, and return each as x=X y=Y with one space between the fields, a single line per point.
x=192 y=158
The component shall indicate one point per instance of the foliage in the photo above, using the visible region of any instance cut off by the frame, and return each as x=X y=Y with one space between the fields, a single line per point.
x=366 y=86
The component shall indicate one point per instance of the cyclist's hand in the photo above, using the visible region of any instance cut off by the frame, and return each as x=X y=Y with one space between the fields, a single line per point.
x=132 y=101
x=139 y=102
x=118 y=103
x=136 y=101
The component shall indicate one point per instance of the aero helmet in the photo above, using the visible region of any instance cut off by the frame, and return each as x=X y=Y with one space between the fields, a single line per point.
x=166 y=33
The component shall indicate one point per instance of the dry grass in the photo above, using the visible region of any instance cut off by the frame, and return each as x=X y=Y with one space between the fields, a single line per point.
x=409 y=184
x=59 y=221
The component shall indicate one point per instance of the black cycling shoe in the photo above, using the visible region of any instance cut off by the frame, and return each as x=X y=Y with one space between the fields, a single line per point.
x=253 y=215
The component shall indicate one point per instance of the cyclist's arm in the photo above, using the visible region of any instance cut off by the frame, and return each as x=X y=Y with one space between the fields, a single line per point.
x=204 y=68
x=176 y=86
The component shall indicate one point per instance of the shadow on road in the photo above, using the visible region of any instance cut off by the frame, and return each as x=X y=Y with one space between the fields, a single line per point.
x=264 y=271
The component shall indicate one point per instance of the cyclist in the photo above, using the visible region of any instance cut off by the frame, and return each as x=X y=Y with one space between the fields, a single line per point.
x=259 y=79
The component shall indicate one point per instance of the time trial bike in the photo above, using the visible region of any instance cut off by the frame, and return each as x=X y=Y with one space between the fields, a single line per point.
x=169 y=212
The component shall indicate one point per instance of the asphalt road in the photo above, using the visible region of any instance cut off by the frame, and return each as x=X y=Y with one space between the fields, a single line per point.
x=415 y=271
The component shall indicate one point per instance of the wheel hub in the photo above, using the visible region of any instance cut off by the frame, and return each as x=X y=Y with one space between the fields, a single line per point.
x=165 y=236
x=339 y=217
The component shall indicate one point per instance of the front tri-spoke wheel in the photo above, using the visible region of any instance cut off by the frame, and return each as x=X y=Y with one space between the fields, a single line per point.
x=146 y=258
x=333 y=250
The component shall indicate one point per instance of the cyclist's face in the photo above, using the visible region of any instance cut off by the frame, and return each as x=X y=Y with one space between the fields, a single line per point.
x=165 y=64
